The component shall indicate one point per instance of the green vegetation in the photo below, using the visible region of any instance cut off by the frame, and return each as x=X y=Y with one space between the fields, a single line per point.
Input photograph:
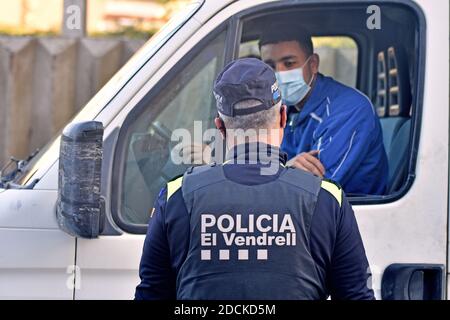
x=128 y=32
x=15 y=31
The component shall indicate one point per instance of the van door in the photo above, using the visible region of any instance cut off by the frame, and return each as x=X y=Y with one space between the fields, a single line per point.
x=404 y=230
x=36 y=257
x=403 y=234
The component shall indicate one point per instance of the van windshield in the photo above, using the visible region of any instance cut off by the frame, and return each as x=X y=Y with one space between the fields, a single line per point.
x=117 y=82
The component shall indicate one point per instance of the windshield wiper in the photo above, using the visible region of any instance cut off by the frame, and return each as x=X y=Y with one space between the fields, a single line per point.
x=6 y=179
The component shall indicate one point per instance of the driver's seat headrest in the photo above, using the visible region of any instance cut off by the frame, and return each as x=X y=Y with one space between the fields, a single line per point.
x=399 y=88
x=393 y=84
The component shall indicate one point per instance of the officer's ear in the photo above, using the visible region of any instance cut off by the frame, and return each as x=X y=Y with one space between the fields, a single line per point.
x=220 y=125
x=283 y=116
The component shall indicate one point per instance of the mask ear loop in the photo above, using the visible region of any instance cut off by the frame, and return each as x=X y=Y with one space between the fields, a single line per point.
x=312 y=78
x=306 y=61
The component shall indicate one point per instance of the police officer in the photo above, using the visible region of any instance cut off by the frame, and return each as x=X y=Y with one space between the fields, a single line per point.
x=252 y=228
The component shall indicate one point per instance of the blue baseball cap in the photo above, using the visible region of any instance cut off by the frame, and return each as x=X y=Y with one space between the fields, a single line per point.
x=245 y=79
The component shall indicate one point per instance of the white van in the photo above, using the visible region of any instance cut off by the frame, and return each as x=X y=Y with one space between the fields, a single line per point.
x=102 y=182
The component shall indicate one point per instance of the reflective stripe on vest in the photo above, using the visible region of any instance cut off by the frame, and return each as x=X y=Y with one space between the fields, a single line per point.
x=173 y=186
x=333 y=189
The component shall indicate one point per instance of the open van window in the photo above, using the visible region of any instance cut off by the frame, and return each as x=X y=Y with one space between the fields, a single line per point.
x=383 y=64
x=386 y=65
x=338 y=56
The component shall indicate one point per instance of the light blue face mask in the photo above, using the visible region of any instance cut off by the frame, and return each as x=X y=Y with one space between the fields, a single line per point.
x=292 y=85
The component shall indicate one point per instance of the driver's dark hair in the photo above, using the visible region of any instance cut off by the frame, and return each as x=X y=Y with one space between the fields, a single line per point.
x=282 y=32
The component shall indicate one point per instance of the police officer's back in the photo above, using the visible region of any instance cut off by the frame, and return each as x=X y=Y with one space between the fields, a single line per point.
x=251 y=228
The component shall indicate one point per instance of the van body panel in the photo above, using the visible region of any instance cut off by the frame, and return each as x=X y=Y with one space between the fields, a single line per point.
x=413 y=229
x=41 y=265
x=211 y=8
x=28 y=209
x=50 y=180
x=113 y=274
x=36 y=257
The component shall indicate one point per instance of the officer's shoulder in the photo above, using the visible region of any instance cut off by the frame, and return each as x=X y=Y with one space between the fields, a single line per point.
x=201 y=176
x=333 y=188
x=192 y=171
x=301 y=179
x=174 y=185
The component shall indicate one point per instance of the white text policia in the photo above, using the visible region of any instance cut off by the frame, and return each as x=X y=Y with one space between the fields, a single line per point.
x=230 y=225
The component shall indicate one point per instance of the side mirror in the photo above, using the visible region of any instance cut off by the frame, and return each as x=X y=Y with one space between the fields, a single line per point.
x=79 y=209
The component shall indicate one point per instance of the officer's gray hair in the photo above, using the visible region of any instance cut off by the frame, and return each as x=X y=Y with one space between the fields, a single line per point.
x=260 y=120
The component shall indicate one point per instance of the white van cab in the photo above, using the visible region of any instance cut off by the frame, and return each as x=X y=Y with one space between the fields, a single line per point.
x=73 y=218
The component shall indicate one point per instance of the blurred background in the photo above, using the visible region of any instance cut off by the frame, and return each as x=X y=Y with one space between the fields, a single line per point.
x=134 y=18
x=48 y=71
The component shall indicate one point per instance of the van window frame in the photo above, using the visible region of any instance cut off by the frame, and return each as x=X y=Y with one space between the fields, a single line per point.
x=417 y=87
x=233 y=28
x=120 y=152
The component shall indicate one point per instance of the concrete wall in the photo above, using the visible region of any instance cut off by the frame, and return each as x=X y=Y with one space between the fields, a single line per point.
x=45 y=81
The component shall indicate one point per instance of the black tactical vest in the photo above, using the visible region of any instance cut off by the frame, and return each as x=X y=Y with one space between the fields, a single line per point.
x=249 y=242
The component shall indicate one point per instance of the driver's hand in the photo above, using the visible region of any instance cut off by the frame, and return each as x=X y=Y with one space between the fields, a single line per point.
x=195 y=153
x=308 y=161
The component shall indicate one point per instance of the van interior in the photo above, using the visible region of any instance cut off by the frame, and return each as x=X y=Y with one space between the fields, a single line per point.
x=386 y=64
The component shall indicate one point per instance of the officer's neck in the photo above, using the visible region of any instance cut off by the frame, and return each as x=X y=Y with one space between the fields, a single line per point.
x=257 y=152
x=260 y=139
